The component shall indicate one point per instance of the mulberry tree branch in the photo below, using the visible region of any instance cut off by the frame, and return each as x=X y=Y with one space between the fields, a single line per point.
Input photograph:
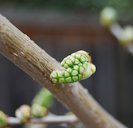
x=33 y=60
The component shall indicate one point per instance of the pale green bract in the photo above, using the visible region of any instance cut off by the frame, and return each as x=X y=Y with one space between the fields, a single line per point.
x=77 y=66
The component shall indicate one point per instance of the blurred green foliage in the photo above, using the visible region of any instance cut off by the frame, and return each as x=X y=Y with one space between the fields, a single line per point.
x=125 y=7
x=74 y=4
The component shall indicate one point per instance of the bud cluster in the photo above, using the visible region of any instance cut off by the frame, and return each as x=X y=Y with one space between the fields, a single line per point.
x=77 y=66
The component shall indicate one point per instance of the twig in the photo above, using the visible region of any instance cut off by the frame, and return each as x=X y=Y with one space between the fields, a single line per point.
x=24 y=53
x=50 y=119
x=116 y=31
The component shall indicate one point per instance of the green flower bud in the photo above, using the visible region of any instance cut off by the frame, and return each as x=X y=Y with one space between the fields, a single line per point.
x=81 y=69
x=3 y=119
x=69 y=62
x=61 y=80
x=77 y=66
x=54 y=74
x=74 y=73
x=108 y=16
x=39 y=111
x=23 y=113
x=66 y=74
x=43 y=98
x=75 y=78
x=69 y=80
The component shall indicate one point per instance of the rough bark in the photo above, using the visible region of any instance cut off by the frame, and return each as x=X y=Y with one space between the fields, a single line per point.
x=33 y=60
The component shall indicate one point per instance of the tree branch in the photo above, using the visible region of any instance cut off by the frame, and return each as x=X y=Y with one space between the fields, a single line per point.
x=24 y=53
x=50 y=119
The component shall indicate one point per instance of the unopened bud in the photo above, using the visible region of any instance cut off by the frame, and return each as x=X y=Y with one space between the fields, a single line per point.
x=23 y=113
x=108 y=16
x=127 y=35
x=39 y=111
x=3 y=119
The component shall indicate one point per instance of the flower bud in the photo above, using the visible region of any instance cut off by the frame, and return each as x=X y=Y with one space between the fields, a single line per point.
x=108 y=16
x=23 y=113
x=39 y=111
x=3 y=119
x=127 y=35
x=43 y=98
x=77 y=66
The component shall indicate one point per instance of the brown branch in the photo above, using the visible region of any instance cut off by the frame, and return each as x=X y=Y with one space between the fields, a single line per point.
x=50 y=119
x=24 y=53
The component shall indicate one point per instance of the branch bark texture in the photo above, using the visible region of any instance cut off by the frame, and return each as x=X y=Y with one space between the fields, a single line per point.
x=33 y=60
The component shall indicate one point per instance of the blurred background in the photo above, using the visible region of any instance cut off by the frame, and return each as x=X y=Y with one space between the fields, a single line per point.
x=61 y=27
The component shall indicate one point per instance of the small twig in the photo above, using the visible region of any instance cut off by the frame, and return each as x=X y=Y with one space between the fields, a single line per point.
x=116 y=31
x=50 y=119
